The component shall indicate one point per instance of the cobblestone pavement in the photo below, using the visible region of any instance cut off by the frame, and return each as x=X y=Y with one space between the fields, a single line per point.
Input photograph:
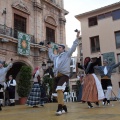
x=76 y=111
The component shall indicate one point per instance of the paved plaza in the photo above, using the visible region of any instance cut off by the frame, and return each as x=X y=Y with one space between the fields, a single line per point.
x=76 y=111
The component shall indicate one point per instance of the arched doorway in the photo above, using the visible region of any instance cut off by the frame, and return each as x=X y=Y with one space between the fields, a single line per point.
x=14 y=71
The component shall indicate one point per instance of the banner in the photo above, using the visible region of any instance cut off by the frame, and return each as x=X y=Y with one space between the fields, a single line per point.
x=23 y=43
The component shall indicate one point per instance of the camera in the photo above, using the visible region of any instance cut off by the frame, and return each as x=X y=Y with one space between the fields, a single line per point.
x=76 y=30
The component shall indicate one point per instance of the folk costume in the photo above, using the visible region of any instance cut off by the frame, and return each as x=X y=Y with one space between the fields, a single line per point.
x=61 y=73
x=2 y=89
x=3 y=72
x=35 y=93
x=11 y=90
x=92 y=89
x=105 y=73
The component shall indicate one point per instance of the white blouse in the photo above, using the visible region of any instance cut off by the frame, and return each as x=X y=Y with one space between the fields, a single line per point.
x=36 y=75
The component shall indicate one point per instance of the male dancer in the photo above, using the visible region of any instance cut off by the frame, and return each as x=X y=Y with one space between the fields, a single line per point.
x=3 y=72
x=105 y=73
x=62 y=71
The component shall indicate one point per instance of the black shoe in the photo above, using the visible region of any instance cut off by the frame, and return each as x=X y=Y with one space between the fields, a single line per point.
x=104 y=101
x=59 y=110
x=89 y=105
x=35 y=106
x=97 y=103
x=12 y=104
x=1 y=105
x=108 y=102
x=42 y=105
x=64 y=110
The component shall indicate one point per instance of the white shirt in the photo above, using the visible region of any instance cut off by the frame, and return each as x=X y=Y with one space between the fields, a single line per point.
x=36 y=75
x=11 y=84
x=57 y=60
x=105 y=70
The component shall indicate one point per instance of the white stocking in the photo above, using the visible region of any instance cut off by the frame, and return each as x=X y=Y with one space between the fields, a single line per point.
x=108 y=93
x=12 y=100
x=1 y=101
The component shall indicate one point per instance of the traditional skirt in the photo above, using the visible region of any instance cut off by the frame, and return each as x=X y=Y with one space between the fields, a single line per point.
x=92 y=89
x=12 y=95
x=34 y=96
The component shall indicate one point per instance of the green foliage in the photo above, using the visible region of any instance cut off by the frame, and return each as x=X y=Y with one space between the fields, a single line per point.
x=47 y=79
x=5 y=65
x=24 y=83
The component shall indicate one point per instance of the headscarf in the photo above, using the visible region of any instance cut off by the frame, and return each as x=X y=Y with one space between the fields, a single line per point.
x=35 y=70
x=86 y=60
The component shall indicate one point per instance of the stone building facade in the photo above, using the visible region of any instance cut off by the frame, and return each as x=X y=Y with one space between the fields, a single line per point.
x=43 y=20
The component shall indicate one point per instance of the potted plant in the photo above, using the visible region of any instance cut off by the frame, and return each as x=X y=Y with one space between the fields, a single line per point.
x=24 y=83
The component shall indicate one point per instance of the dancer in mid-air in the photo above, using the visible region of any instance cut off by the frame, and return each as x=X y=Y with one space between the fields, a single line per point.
x=62 y=71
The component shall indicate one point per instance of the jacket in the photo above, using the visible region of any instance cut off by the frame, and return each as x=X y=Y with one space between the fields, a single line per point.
x=109 y=70
x=63 y=62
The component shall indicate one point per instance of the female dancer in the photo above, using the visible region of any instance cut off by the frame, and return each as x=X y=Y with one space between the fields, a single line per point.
x=92 y=89
x=34 y=98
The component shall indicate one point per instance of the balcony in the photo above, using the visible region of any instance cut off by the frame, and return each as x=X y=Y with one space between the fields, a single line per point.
x=12 y=32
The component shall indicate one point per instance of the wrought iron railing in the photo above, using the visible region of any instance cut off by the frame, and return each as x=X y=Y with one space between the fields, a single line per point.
x=12 y=32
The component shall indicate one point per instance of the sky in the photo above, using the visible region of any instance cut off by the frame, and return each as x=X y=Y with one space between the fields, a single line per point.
x=76 y=7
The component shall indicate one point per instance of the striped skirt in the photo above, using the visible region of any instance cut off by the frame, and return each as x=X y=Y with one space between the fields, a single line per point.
x=92 y=89
x=34 y=96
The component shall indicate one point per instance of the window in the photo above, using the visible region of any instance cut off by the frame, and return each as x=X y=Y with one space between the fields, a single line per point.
x=117 y=38
x=50 y=34
x=93 y=21
x=108 y=14
x=95 y=46
x=116 y=14
x=102 y=16
x=19 y=24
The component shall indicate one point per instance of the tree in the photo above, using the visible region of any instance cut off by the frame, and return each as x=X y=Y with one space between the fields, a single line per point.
x=24 y=83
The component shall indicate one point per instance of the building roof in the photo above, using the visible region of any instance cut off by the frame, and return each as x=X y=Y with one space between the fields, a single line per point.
x=98 y=10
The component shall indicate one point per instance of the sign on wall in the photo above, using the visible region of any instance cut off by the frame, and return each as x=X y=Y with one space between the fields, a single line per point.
x=110 y=57
x=23 y=43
